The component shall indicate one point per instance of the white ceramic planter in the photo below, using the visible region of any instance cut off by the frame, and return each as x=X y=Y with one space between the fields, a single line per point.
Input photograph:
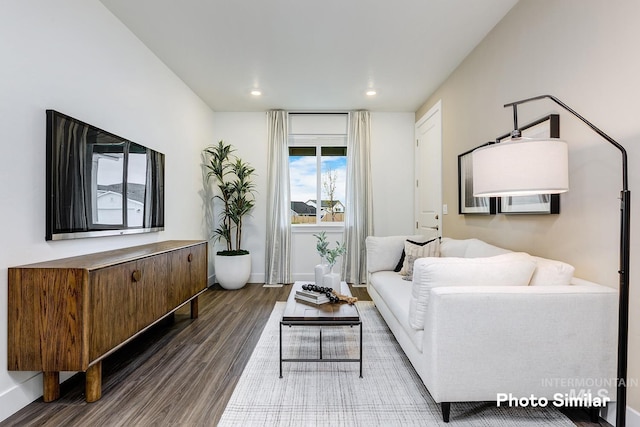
x=332 y=280
x=320 y=270
x=232 y=272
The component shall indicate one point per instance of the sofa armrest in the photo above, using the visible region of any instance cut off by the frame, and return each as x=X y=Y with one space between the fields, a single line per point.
x=521 y=340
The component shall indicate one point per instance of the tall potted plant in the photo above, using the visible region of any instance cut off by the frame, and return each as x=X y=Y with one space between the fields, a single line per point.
x=236 y=192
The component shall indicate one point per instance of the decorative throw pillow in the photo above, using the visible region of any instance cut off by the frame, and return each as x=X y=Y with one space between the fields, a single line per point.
x=400 y=264
x=415 y=251
x=410 y=260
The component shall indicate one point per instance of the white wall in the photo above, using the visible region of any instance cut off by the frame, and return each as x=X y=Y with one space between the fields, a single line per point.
x=77 y=58
x=392 y=162
x=392 y=165
x=304 y=256
x=583 y=52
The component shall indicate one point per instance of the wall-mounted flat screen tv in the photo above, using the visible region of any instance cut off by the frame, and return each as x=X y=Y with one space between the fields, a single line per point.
x=99 y=184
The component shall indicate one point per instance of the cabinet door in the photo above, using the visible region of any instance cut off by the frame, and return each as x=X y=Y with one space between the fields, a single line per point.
x=188 y=273
x=198 y=269
x=112 y=301
x=152 y=287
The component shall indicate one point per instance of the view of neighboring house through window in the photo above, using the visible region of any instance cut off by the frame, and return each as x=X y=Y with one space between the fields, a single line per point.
x=317 y=168
x=108 y=205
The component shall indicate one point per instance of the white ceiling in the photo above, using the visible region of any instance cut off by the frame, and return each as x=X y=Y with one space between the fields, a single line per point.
x=311 y=55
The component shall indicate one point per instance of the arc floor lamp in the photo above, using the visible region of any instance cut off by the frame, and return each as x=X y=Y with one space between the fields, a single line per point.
x=524 y=166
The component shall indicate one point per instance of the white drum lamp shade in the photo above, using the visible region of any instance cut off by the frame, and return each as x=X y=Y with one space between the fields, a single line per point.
x=521 y=167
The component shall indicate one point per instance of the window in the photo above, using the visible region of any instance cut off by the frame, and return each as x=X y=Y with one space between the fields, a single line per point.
x=318 y=168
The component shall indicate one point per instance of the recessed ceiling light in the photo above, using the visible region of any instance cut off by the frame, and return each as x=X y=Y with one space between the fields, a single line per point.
x=371 y=92
x=256 y=92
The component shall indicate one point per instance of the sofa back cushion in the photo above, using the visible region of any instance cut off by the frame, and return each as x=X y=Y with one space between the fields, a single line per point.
x=453 y=247
x=383 y=253
x=510 y=269
x=550 y=272
x=478 y=249
x=469 y=248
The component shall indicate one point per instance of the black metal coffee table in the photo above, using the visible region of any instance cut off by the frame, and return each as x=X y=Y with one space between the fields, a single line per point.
x=324 y=315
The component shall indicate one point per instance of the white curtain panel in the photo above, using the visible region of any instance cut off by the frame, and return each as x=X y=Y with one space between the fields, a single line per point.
x=358 y=221
x=278 y=249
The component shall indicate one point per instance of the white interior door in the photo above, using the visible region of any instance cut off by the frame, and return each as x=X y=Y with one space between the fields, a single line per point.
x=428 y=194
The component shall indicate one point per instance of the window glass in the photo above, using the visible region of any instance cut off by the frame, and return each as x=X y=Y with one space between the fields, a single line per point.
x=303 y=167
x=333 y=183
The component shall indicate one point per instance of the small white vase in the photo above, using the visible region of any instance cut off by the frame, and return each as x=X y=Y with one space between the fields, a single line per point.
x=331 y=280
x=320 y=270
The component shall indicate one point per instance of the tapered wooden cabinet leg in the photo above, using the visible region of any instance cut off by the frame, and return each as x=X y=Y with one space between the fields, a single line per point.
x=194 y=308
x=93 y=383
x=51 y=386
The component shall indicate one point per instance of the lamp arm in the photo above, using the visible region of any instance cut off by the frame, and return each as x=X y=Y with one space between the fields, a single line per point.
x=625 y=185
x=625 y=237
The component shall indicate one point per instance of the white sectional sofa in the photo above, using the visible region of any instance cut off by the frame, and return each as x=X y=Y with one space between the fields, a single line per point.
x=472 y=335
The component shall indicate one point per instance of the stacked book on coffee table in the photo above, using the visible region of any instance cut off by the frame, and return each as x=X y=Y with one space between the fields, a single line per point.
x=312 y=297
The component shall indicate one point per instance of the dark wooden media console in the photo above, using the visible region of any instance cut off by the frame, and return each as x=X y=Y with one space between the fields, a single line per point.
x=69 y=314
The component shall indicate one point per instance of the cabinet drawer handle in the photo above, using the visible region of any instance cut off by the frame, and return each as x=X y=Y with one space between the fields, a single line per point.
x=190 y=257
x=136 y=275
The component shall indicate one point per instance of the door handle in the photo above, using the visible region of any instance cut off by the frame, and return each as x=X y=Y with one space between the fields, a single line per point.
x=434 y=227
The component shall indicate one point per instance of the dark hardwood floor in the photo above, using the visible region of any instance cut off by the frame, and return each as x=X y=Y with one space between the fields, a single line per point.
x=180 y=372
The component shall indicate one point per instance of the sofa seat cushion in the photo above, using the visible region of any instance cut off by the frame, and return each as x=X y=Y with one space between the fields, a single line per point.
x=510 y=269
x=396 y=294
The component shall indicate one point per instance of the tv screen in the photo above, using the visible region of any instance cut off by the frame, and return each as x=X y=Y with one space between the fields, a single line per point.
x=100 y=184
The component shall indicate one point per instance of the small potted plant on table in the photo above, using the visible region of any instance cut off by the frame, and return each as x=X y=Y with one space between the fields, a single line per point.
x=324 y=272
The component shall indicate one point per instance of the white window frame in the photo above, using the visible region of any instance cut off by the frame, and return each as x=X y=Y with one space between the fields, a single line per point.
x=308 y=134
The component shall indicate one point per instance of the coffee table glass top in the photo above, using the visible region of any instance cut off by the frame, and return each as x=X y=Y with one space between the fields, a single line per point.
x=296 y=311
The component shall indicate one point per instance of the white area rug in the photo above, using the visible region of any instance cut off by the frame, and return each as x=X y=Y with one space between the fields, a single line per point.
x=333 y=394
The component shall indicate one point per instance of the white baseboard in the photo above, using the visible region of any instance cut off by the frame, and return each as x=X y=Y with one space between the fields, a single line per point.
x=304 y=277
x=259 y=278
x=633 y=418
x=19 y=396
x=256 y=278
x=310 y=277
x=609 y=415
